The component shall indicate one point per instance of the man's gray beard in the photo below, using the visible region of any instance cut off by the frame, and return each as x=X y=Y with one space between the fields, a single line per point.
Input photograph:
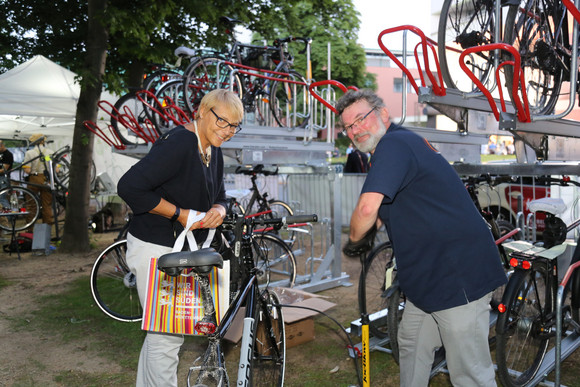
x=370 y=144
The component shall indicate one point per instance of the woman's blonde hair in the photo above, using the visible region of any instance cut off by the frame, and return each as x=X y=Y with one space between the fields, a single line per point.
x=226 y=99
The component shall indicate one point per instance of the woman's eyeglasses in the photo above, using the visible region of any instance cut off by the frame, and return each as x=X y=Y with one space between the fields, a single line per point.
x=224 y=124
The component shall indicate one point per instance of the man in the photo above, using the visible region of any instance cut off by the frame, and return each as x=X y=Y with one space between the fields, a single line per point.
x=6 y=158
x=447 y=261
x=35 y=167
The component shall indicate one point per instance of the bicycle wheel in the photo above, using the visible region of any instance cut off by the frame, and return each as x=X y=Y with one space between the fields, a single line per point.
x=275 y=261
x=206 y=74
x=373 y=284
x=61 y=162
x=129 y=106
x=23 y=204
x=169 y=91
x=464 y=24
x=289 y=102
x=114 y=286
x=269 y=349
x=523 y=330
x=532 y=27
x=279 y=210
x=396 y=307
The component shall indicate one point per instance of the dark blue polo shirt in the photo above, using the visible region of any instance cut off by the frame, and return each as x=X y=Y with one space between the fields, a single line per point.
x=446 y=255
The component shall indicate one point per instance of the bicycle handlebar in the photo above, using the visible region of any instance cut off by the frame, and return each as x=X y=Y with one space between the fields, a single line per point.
x=255 y=170
x=487 y=178
x=306 y=41
x=257 y=220
x=563 y=181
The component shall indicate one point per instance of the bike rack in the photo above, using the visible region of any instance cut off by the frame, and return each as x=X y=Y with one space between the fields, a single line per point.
x=522 y=109
x=437 y=85
x=110 y=138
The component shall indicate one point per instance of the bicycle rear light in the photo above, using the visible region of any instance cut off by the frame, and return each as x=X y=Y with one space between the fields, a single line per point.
x=501 y=308
x=523 y=263
x=205 y=328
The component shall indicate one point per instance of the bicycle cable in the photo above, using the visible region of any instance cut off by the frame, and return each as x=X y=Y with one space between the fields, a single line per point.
x=339 y=325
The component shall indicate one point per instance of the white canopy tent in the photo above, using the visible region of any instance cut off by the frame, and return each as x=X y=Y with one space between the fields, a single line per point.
x=40 y=96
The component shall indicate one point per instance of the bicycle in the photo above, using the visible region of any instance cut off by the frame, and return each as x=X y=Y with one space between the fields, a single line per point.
x=263 y=346
x=379 y=294
x=527 y=322
x=23 y=204
x=113 y=285
x=259 y=202
x=464 y=24
x=281 y=91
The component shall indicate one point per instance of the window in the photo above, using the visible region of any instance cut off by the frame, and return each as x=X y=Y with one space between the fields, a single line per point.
x=398 y=85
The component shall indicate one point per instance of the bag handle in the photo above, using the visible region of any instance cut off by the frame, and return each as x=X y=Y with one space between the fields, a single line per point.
x=187 y=233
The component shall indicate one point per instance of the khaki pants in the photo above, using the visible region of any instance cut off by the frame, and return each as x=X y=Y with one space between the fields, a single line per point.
x=45 y=197
x=463 y=331
x=159 y=356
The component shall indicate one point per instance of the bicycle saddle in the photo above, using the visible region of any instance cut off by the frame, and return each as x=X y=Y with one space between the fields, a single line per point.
x=552 y=205
x=201 y=261
x=229 y=20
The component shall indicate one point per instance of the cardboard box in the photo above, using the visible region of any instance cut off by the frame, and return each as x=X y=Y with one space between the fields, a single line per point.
x=299 y=323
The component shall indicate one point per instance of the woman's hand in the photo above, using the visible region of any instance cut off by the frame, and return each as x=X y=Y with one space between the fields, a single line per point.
x=214 y=217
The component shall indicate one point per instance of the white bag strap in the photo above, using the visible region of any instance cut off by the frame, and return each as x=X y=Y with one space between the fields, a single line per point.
x=180 y=241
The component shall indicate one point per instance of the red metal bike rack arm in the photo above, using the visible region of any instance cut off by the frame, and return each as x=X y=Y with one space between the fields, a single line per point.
x=437 y=86
x=572 y=8
x=327 y=82
x=113 y=141
x=523 y=110
x=127 y=119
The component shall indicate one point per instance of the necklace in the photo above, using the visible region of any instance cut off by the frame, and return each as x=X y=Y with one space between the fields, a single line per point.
x=205 y=156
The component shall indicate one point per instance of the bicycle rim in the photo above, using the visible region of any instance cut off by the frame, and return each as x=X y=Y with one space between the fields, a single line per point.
x=464 y=24
x=521 y=342
x=168 y=94
x=131 y=114
x=289 y=102
x=114 y=286
x=530 y=28
x=269 y=348
x=206 y=74
x=279 y=210
x=375 y=281
x=21 y=202
x=275 y=261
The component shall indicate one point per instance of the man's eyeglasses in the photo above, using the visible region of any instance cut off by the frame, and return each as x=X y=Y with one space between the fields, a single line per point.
x=357 y=122
x=224 y=124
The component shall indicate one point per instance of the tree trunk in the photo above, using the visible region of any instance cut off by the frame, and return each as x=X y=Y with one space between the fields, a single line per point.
x=76 y=233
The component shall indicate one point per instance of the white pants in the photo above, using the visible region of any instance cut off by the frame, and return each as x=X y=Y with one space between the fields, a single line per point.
x=464 y=332
x=160 y=352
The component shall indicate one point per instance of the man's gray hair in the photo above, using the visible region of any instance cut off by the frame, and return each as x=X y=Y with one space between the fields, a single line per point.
x=353 y=96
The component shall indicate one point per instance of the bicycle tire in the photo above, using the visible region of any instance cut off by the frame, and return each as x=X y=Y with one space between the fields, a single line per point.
x=129 y=103
x=280 y=209
x=274 y=260
x=269 y=347
x=520 y=344
x=169 y=91
x=289 y=103
x=205 y=74
x=540 y=62
x=463 y=24
x=61 y=162
x=21 y=202
x=396 y=306
x=114 y=286
x=373 y=284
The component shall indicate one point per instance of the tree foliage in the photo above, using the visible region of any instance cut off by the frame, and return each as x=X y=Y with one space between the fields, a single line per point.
x=148 y=31
x=110 y=42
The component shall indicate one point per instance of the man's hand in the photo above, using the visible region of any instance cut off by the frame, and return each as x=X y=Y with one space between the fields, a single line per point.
x=355 y=249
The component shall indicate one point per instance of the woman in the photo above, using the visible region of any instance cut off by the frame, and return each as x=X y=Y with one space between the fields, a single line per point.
x=183 y=172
